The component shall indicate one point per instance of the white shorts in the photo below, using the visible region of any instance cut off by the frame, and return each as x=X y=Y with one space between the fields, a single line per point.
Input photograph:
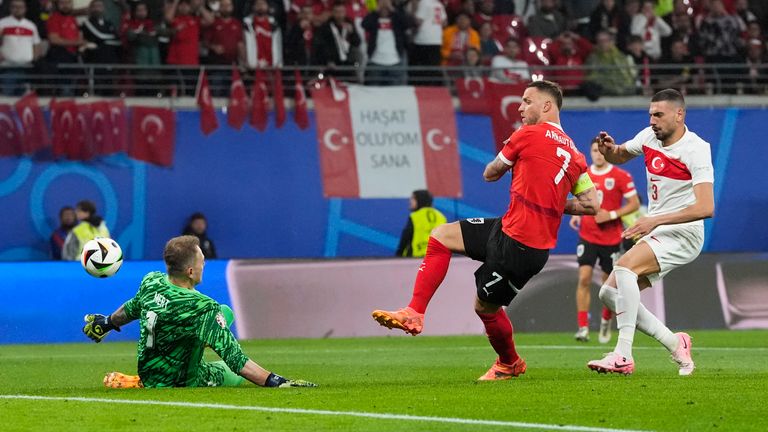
x=674 y=246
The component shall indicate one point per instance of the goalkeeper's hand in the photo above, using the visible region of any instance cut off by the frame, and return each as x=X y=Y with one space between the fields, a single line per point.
x=97 y=326
x=275 y=380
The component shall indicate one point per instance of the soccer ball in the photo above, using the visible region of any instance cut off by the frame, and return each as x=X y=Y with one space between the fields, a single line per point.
x=102 y=257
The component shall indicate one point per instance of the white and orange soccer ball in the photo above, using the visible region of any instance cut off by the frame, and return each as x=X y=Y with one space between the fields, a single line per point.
x=102 y=257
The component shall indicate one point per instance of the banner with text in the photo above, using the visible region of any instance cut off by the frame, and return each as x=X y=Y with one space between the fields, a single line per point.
x=386 y=142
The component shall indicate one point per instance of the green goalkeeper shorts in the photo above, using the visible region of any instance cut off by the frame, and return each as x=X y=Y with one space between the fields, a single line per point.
x=217 y=374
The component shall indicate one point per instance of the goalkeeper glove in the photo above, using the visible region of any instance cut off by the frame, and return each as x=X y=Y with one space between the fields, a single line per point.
x=97 y=326
x=275 y=380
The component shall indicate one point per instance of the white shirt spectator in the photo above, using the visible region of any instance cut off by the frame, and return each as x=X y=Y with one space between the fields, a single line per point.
x=19 y=40
x=651 y=32
x=508 y=70
x=433 y=17
x=386 y=49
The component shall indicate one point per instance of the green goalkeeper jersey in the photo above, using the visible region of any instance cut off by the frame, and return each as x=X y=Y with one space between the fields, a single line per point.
x=176 y=325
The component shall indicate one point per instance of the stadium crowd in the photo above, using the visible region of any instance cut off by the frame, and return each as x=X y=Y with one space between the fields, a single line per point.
x=590 y=46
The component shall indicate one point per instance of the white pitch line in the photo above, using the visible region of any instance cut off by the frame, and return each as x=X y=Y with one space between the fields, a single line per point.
x=380 y=416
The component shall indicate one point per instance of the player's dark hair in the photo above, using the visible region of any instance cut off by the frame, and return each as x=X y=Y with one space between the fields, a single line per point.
x=669 y=95
x=179 y=254
x=551 y=88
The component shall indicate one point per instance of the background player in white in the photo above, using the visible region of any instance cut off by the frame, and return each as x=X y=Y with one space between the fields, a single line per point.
x=680 y=195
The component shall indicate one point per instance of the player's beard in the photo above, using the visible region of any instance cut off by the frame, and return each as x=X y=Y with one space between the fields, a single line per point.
x=531 y=119
x=661 y=135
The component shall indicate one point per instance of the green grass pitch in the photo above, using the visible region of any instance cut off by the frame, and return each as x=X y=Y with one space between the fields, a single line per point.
x=393 y=383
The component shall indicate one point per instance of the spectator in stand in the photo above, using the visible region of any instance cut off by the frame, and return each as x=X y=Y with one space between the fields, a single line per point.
x=754 y=32
x=184 y=48
x=468 y=7
x=678 y=73
x=650 y=29
x=90 y=225
x=507 y=67
x=720 y=40
x=457 y=39
x=336 y=43
x=641 y=62
x=548 y=22
x=473 y=66
x=612 y=72
x=579 y=12
x=489 y=45
x=744 y=12
x=385 y=32
x=67 y=220
x=606 y=16
x=682 y=30
x=429 y=19
x=198 y=227
x=263 y=38
x=569 y=53
x=484 y=15
x=298 y=41
x=631 y=8
x=104 y=46
x=224 y=41
x=64 y=40
x=757 y=67
x=140 y=42
x=20 y=48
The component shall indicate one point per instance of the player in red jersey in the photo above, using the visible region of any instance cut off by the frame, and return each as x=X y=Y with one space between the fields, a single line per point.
x=514 y=248
x=600 y=236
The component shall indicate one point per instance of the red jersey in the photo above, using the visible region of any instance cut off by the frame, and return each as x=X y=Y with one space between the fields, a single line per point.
x=545 y=166
x=227 y=32
x=185 y=44
x=613 y=185
x=65 y=26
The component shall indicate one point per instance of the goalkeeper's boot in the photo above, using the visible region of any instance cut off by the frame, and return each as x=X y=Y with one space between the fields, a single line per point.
x=119 y=380
x=405 y=319
x=682 y=355
x=605 y=331
x=502 y=371
x=582 y=335
x=614 y=363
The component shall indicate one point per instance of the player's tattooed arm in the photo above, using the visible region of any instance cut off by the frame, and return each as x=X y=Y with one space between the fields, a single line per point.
x=495 y=170
x=585 y=203
x=119 y=317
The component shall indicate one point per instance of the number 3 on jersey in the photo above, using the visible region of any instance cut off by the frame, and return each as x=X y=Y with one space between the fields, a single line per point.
x=563 y=153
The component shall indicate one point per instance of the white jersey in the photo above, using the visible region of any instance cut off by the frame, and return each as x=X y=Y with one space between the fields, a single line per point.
x=672 y=171
x=432 y=16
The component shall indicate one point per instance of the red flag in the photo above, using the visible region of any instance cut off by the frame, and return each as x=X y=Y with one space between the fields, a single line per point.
x=259 y=102
x=440 y=141
x=300 y=113
x=503 y=101
x=34 y=136
x=63 y=127
x=10 y=137
x=154 y=133
x=335 y=136
x=237 y=109
x=118 y=121
x=100 y=126
x=471 y=93
x=208 y=120
x=83 y=139
x=279 y=98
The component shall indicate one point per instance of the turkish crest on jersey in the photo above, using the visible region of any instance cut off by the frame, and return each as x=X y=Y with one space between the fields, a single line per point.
x=386 y=142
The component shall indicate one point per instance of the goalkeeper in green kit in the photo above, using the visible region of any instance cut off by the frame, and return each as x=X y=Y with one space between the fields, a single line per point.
x=177 y=323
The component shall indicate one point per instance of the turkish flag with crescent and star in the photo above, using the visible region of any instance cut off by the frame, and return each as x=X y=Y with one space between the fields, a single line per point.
x=503 y=101
x=34 y=135
x=153 y=132
x=300 y=112
x=237 y=108
x=64 y=129
x=259 y=99
x=208 y=120
x=100 y=124
x=10 y=137
x=471 y=93
x=386 y=142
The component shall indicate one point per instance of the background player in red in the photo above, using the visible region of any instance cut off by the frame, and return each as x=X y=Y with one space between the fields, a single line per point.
x=600 y=236
x=514 y=248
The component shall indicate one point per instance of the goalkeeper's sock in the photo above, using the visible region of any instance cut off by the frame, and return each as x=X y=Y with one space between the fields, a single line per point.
x=499 y=330
x=431 y=274
x=274 y=380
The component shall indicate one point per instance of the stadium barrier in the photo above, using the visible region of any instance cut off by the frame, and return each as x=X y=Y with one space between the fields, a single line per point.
x=46 y=302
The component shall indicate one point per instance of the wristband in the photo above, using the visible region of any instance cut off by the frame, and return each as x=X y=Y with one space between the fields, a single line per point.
x=614 y=215
x=274 y=380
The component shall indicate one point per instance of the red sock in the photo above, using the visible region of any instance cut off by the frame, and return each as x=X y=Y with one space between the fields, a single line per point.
x=607 y=314
x=582 y=317
x=431 y=274
x=499 y=331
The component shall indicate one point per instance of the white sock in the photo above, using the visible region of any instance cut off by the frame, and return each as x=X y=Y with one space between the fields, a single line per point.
x=646 y=321
x=627 y=303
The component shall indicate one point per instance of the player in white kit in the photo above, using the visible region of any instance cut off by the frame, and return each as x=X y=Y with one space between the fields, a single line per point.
x=680 y=195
